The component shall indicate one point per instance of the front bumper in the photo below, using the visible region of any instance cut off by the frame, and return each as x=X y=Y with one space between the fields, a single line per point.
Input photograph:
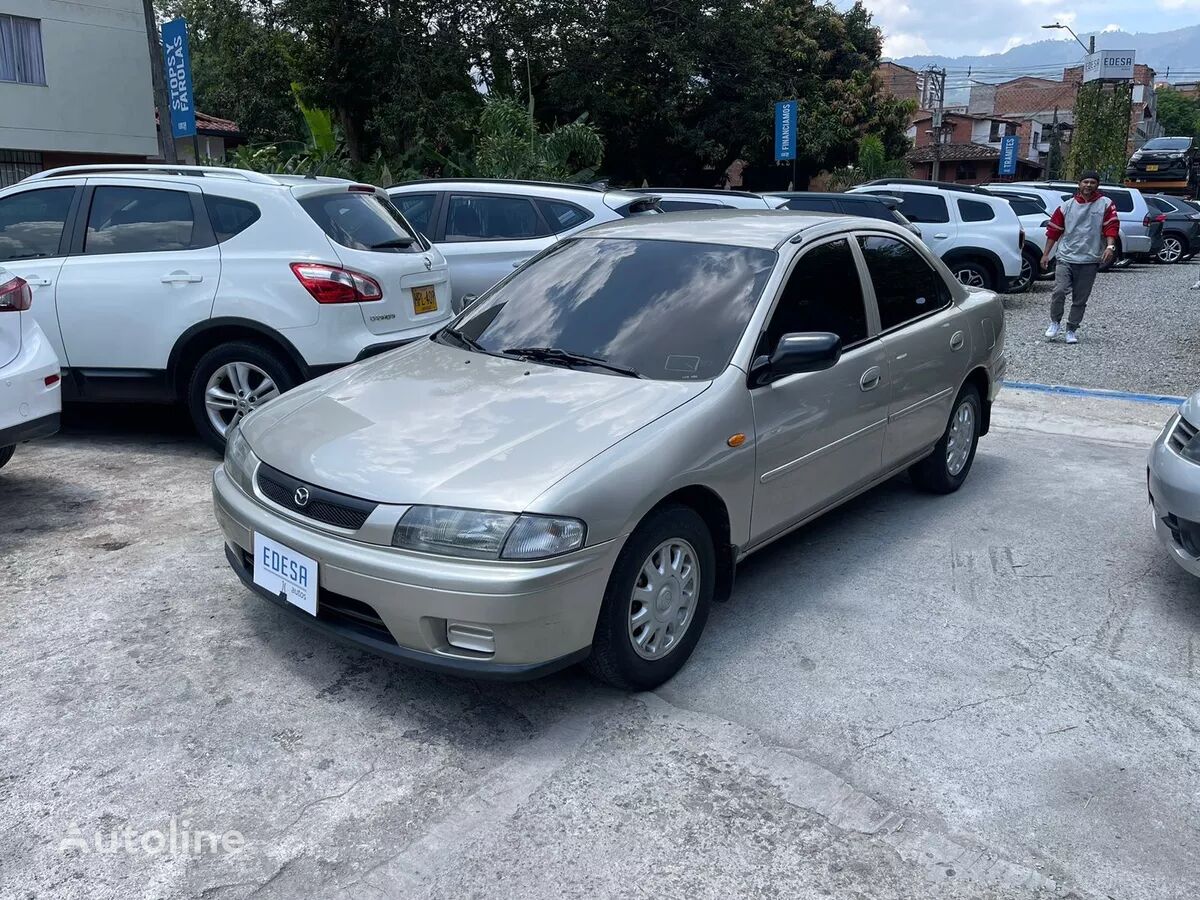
x=1174 y=485
x=398 y=603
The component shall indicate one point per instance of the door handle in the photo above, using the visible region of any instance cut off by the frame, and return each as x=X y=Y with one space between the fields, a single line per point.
x=37 y=282
x=957 y=340
x=941 y=236
x=520 y=262
x=182 y=278
x=870 y=379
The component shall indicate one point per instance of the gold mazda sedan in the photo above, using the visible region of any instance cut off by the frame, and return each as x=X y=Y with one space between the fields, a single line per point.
x=571 y=470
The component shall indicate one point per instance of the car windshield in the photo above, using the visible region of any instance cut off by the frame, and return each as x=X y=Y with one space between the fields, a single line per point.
x=1167 y=144
x=668 y=310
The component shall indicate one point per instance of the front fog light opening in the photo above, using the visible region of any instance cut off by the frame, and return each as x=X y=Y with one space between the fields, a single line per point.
x=477 y=638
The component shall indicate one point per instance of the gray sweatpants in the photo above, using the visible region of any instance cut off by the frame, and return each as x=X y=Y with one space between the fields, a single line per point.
x=1077 y=278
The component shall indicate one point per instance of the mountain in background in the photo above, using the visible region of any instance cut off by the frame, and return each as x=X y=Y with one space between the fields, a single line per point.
x=1178 y=51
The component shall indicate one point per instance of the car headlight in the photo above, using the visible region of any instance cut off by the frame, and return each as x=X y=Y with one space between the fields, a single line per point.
x=239 y=460
x=479 y=534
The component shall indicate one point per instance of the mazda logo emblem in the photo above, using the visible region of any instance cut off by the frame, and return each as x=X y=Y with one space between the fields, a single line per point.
x=301 y=497
x=428 y=263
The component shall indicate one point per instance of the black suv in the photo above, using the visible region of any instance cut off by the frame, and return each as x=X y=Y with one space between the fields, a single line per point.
x=1165 y=163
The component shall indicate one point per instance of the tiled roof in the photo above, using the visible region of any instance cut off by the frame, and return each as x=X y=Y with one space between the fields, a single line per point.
x=206 y=122
x=953 y=153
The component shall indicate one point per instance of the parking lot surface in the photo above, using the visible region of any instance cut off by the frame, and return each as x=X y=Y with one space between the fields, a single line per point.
x=990 y=694
x=1141 y=333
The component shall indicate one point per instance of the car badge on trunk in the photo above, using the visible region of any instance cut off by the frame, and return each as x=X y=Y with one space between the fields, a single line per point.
x=428 y=264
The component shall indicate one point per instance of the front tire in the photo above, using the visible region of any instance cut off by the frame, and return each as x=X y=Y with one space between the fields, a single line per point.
x=6 y=453
x=230 y=381
x=656 y=602
x=945 y=469
x=974 y=274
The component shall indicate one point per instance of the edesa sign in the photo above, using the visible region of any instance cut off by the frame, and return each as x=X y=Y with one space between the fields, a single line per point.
x=1108 y=65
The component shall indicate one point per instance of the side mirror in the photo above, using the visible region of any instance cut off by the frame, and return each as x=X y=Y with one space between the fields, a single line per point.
x=796 y=353
x=467 y=300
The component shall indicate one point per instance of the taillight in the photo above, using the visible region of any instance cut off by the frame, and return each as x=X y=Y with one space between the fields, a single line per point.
x=15 y=295
x=362 y=188
x=1151 y=219
x=332 y=284
x=1021 y=240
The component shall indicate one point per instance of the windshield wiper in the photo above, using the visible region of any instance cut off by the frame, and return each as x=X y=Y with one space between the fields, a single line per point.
x=461 y=339
x=403 y=243
x=566 y=357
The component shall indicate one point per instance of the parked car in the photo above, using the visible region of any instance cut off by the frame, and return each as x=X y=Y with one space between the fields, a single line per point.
x=883 y=207
x=1181 y=228
x=1034 y=222
x=975 y=233
x=30 y=383
x=691 y=199
x=1165 y=164
x=486 y=227
x=220 y=288
x=1141 y=229
x=1173 y=480
x=585 y=454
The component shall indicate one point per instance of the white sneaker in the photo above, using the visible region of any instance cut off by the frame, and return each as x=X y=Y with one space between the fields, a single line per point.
x=1072 y=337
x=1052 y=331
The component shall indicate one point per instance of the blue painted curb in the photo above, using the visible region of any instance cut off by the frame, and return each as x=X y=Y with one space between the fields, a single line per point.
x=1161 y=399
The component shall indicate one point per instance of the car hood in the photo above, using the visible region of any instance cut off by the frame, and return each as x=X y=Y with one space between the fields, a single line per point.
x=433 y=424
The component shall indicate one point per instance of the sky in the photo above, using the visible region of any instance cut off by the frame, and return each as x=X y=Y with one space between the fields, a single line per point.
x=970 y=27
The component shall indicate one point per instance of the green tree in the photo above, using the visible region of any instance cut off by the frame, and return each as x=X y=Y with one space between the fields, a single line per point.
x=872 y=163
x=1179 y=116
x=1101 y=130
x=510 y=145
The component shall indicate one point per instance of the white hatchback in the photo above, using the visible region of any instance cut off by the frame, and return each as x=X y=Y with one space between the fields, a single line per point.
x=30 y=385
x=220 y=288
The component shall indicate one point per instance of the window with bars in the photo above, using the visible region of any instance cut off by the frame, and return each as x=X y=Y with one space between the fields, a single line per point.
x=21 y=50
x=18 y=164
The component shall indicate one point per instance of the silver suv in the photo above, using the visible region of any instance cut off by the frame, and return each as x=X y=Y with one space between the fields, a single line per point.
x=1141 y=229
x=486 y=227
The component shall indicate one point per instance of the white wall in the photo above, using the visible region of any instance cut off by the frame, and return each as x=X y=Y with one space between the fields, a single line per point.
x=98 y=96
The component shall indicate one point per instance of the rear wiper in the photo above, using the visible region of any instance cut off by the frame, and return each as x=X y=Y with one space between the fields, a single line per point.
x=558 y=355
x=403 y=243
x=461 y=339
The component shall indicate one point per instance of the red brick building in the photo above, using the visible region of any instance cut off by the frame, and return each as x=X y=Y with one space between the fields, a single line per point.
x=969 y=149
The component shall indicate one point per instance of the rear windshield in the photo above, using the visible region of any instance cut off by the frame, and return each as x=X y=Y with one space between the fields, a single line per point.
x=1167 y=144
x=1123 y=200
x=361 y=221
x=1026 y=207
x=670 y=310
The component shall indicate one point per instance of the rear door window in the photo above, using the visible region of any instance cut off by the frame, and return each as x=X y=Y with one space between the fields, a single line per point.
x=32 y=222
x=563 y=216
x=1122 y=199
x=1160 y=205
x=417 y=208
x=906 y=287
x=360 y=221
x=230 y=217
x=139 y=220
x=479 y=217
x=917 y=207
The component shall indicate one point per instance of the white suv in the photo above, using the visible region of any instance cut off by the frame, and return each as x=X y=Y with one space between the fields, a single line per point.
x=30 y=391
x=218 y=287
x=486 y=227
x=975 y=233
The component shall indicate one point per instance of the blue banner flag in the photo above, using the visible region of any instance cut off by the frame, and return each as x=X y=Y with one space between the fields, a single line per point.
x=786 y=113
x=178 y=71
x=1008 y=154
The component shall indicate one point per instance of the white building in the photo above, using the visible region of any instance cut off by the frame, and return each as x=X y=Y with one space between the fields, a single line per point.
x=75 y=85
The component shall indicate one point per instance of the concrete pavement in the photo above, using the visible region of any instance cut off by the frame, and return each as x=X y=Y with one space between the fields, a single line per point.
x=992 y=694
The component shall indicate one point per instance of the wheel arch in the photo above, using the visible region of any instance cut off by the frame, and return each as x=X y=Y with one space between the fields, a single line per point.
x=982 y=256
x=206 y=335
x=709 y=505
x=982 y=381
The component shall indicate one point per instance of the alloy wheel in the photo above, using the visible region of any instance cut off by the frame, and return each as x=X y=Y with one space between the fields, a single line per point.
x=234 y=390
x=1172 y=250
x=663 y=601
x=1026 y=276
x=962 y=438
x=970 y=277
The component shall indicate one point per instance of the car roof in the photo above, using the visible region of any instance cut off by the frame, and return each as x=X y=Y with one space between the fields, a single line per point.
x=714 y=192
x=766 y=229
x=529 y=188
x=917 y=182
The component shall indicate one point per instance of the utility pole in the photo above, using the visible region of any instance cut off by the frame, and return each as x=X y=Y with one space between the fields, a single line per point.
x=935 y=81
x=166 y=140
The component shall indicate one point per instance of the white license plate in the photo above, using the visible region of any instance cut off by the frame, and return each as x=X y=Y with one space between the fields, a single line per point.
x=281 y=570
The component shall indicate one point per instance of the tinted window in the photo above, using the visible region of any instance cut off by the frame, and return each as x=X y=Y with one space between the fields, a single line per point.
x=869 y=209
x=921 y=207
x=229 y=216
x=32 y=222
x=672 y=310
x=417 y=208
x=1122 y=199
x=1167 y=144
x=905 y=285
x=1160 y=205
x=138 y=220
x=1024 y=207
x=684 y=205
x=1036 y=199
x=823 y=293
x=480 y=218
x=975 y=211
x=817 y=204
x=359 y=221
x=563 y=216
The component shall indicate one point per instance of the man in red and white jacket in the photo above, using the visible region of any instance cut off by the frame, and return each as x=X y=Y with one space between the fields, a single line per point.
x=1085 y=228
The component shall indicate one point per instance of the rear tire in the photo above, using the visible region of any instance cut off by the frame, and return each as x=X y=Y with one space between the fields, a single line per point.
x=1174 y=248
x=230 y=381
x=974 y=274
x=945 y=469
x=634 y=647
x=6 y=453
x=1031 y=267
